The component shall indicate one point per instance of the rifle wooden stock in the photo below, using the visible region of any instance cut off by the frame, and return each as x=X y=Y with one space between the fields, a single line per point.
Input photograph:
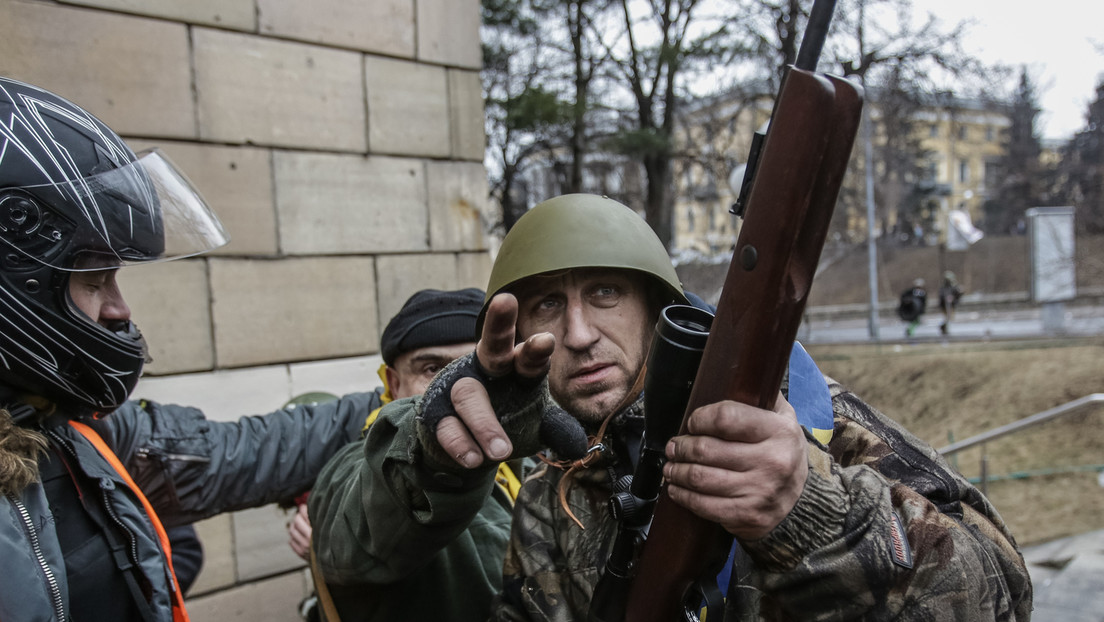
x=789 y=209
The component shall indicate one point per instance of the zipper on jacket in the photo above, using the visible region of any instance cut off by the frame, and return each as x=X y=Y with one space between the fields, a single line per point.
x=148 y=453
x=32 y=535
x=163 y=461
x=106 y=486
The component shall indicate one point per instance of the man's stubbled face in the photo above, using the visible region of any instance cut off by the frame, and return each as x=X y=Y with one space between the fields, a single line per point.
x=601 y=319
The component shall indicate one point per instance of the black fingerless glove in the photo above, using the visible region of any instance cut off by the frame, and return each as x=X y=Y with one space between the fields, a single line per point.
x=525 y=410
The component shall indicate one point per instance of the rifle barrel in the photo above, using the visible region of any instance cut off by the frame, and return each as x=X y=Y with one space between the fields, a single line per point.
x=812 y=42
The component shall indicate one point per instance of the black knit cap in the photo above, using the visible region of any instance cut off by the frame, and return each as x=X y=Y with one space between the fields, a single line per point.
x=432 y=317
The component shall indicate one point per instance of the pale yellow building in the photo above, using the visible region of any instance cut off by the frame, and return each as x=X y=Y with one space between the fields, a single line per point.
x=718 y=132
x=961 y=141
x=964 y=141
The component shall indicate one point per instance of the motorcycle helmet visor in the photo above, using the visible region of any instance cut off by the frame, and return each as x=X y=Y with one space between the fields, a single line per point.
x=144 y=211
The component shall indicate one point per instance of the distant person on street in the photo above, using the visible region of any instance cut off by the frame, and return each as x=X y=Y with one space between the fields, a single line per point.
x=914 y=301
x=949 y=293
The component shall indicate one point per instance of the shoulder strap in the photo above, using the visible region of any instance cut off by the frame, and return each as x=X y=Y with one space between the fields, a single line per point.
x=329 y=610
x=180 y=614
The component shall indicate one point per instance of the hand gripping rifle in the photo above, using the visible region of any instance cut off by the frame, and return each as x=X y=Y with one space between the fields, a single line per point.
x=790 y=188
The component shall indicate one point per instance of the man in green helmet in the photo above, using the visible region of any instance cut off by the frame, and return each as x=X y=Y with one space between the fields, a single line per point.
x=855 y=518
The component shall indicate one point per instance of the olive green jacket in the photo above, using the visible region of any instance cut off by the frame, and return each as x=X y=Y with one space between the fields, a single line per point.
x=395 y=542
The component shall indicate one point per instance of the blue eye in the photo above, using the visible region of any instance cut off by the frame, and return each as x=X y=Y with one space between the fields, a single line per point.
x=606 y=293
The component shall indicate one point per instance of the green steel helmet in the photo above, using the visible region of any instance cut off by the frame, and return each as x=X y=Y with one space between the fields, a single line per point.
x=580 y=231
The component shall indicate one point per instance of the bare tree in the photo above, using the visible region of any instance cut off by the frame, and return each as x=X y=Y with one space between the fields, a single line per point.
x=901 y=183
x=586 y=59
x=656 y=48
x=611 y=75
x=877 y=43
x=525 y=119
x=1021 y=174
x=1083 y=168
x=540 y=67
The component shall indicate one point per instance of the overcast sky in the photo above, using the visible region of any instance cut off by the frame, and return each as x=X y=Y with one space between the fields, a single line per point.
x=1054 y=38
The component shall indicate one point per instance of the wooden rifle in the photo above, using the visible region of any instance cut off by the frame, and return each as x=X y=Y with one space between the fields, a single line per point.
x=790 y=189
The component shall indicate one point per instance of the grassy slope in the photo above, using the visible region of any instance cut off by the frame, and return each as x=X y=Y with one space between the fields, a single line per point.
x=964 y=389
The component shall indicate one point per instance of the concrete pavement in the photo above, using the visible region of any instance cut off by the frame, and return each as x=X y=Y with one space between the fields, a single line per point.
x=1068 y=575
x=984 y=318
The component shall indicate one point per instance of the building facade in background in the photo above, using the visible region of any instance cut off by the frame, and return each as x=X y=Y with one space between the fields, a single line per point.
x=956 y=144
x=950 y=160
x=963 y=141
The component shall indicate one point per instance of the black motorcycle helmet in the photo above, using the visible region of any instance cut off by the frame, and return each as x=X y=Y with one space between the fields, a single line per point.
x=74 y=197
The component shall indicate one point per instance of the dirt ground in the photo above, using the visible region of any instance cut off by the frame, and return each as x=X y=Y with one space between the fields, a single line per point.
x=1042 y=478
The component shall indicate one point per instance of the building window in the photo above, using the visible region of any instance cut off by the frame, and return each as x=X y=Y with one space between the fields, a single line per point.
x=989 y=134
x=962 y=132
x=933 y=131
x=963 y=171
x=990 y=174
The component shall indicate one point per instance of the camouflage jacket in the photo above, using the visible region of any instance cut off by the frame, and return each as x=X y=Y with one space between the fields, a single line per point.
x=832 y=558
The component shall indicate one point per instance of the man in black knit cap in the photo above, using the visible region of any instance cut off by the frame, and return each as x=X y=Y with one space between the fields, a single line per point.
x=432 y=329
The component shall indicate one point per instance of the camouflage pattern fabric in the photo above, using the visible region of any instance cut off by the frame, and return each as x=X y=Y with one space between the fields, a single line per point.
x=884 y=529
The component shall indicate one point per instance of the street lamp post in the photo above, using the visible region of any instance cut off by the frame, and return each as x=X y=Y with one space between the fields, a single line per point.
x=871 y=242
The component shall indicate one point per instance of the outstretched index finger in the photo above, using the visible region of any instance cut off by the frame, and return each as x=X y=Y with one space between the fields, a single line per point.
x=533 y=356
x=495 y=349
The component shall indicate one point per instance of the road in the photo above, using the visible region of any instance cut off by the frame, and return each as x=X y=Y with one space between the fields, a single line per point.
x=1071 y=321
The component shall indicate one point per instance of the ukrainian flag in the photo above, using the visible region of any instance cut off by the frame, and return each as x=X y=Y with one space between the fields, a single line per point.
x=809 y=396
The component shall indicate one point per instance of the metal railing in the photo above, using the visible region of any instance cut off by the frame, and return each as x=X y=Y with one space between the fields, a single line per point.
x=1016 y=426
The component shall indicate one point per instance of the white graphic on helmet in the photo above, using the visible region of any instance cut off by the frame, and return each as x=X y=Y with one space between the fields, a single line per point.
x=68 y=185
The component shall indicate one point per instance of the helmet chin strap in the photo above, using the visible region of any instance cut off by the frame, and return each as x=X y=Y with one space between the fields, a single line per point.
x=17 y=405
x=21 y=413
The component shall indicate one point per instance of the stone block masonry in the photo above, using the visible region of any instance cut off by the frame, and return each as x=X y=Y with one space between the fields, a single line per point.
x=341 y=145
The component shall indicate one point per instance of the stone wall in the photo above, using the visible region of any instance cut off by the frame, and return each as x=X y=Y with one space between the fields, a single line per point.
x=340 y=143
